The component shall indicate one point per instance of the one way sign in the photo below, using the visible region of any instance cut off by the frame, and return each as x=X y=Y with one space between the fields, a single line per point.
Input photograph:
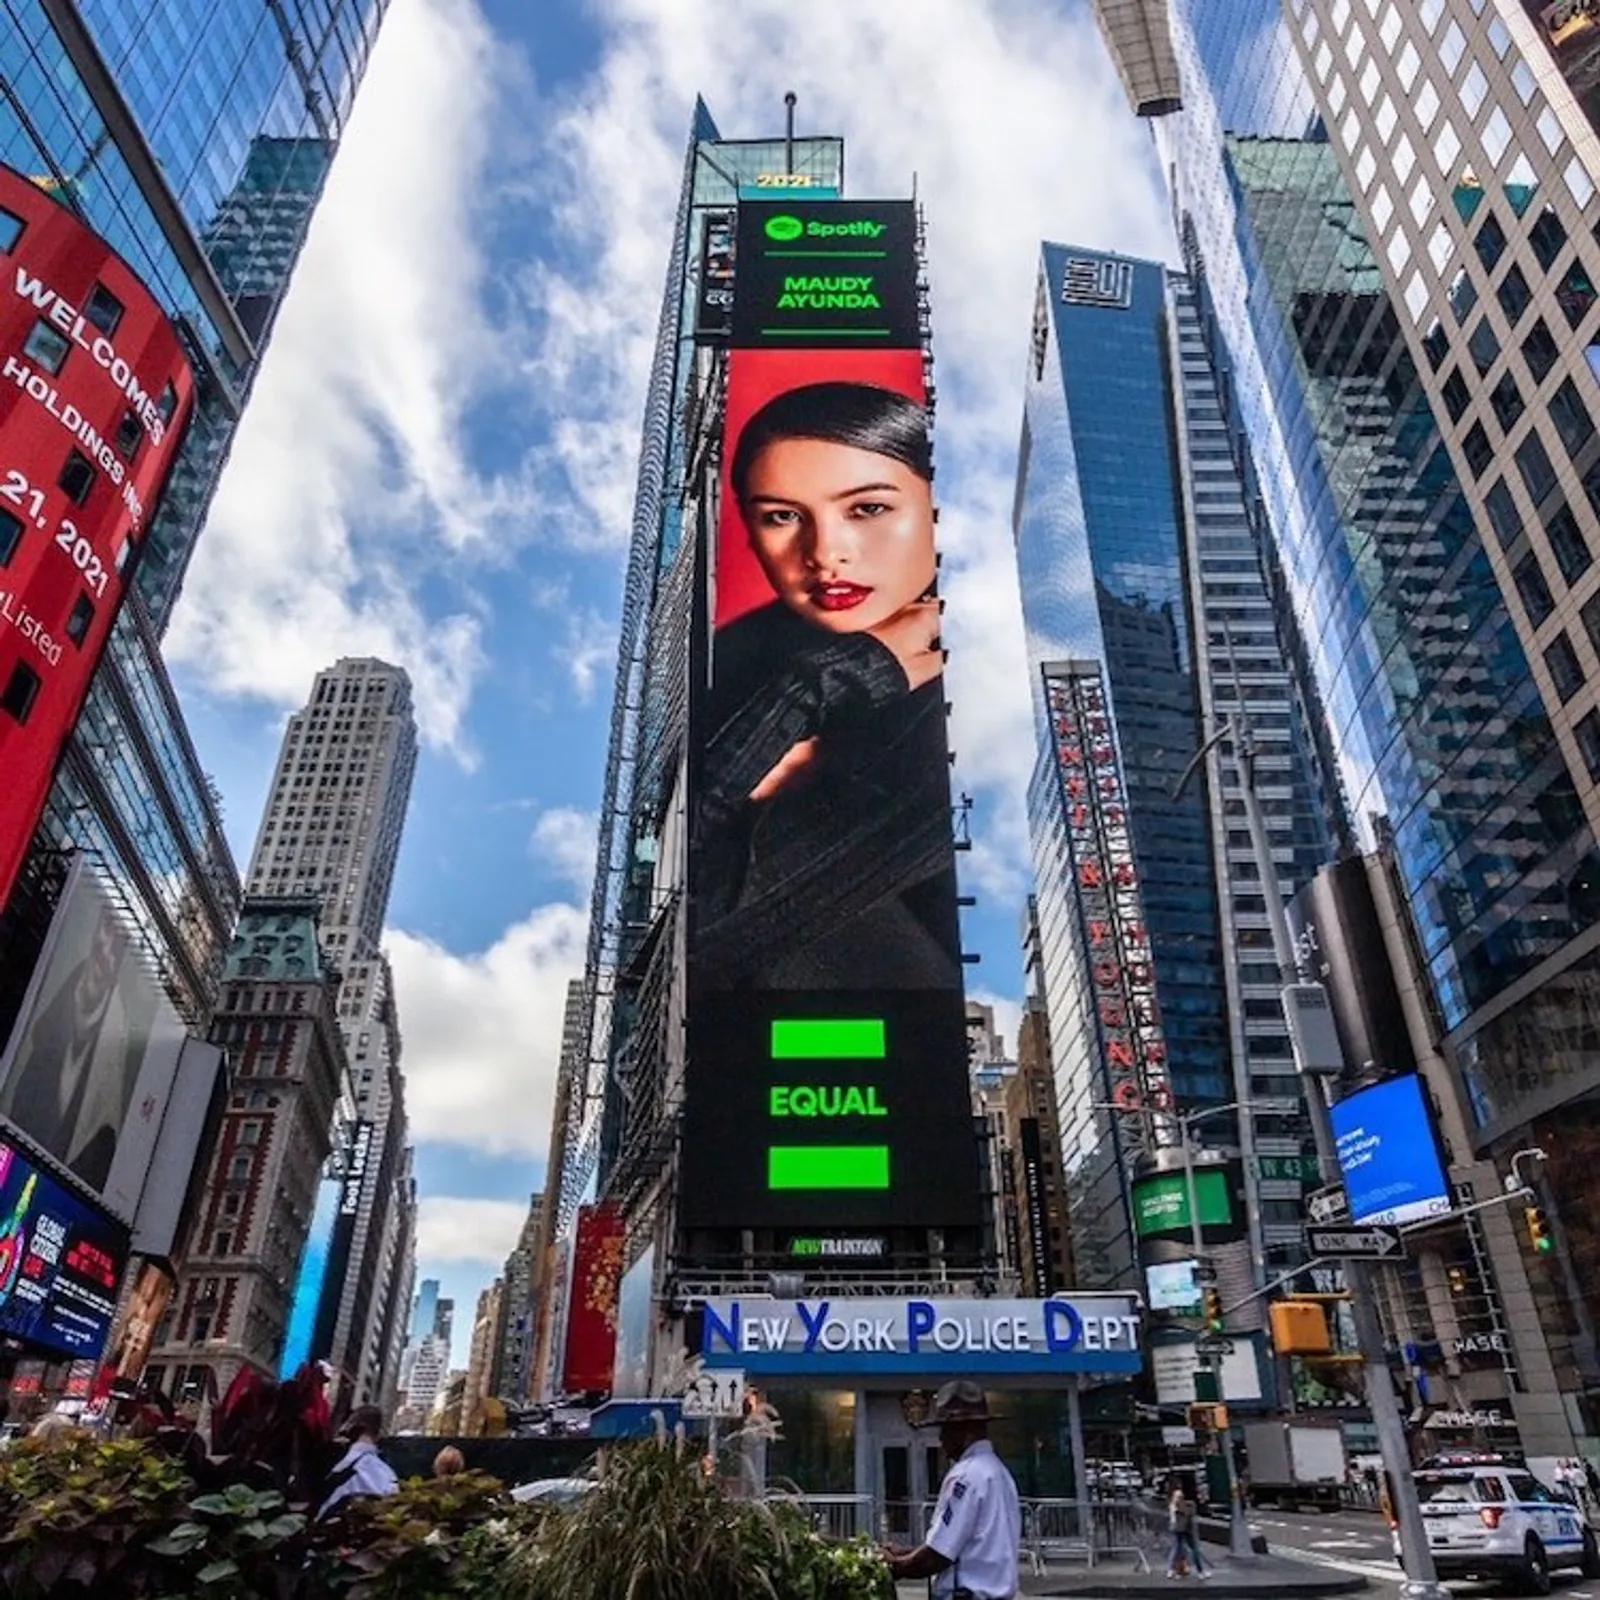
x=1354 y=1244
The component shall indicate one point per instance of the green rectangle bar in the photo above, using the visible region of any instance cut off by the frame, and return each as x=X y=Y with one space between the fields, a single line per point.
x=826 y=333
x=828 y=1166
x=828 y=1039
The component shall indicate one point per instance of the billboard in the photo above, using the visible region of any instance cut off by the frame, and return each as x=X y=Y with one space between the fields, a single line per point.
x=142 y=1310
x=827 y=1078
x=91 y=1062
x=94 y=395
x=309 y=1279
x=591 y=1344
x=1161 y=1203
x=60 y=1263
x=355 y=1155
x=1338 y=940
x=1388 y=1153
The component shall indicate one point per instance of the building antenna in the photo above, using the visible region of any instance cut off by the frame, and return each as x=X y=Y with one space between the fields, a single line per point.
x=788 y=133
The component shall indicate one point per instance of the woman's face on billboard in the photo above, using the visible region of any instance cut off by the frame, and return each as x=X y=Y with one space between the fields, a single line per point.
x=845 y=536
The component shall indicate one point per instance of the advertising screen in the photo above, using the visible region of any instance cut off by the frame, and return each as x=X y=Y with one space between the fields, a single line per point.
x=827 y=1080
x=94 y=395
x=1388 y=1154
x=591 y=1343
x=60 y=1263
x=92 y=1059
x=309 y=1279
x=1161 y=1203
x=1171 y=1286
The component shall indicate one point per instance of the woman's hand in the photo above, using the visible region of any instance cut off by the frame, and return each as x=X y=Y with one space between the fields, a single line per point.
x=912 y=634
x=793 y=763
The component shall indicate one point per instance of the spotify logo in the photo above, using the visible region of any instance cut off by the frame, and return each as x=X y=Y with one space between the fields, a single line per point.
x=784 y=228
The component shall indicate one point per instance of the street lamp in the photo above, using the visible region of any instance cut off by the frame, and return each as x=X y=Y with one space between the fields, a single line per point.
x=1239 y=1545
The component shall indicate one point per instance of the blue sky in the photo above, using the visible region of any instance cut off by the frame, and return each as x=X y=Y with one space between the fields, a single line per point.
x=437 y=463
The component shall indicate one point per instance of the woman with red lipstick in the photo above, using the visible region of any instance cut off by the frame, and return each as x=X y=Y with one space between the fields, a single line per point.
x=823 y=821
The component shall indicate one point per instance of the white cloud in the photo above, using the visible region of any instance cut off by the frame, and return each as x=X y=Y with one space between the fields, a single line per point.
x=349 y=487
x=483 y=1031
x=451 y=1229
x=565 y=840
x=1008 y=118
x=588 y=654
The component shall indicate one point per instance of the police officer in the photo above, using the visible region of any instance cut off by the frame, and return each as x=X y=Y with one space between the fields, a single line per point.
x=973 y=1545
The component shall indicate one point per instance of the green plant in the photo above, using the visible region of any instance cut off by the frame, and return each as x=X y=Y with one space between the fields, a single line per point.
x=238 y=1542
x=79 y=1512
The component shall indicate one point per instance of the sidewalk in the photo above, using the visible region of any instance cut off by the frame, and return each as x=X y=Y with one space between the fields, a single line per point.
x=1267 y=1575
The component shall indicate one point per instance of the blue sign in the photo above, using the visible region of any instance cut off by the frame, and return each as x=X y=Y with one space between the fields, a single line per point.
x=61 y=1260
x=1388 y=1154
x=1090 y=1333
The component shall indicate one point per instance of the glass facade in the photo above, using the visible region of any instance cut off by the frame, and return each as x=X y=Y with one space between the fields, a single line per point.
x=194 y=135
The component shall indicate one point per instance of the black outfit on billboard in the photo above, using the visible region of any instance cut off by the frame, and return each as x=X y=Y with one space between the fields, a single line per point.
x=844 y=878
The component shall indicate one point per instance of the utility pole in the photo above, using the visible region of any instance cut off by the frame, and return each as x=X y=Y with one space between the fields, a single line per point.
x=1304 y=1005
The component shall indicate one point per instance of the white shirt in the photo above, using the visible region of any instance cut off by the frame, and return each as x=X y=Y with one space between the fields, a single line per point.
x=369 y=1474
x=978 y=1525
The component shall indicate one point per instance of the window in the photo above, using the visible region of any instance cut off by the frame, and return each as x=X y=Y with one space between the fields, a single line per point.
x=46 y=347
x=1408 y=65
x=1426 y=105
x=1382 y=209
x=1405 y=158
x=1567 y=543
x=1506 y=399
x=1451 y=47
x=1571 y=417
x=239 y=1169
x=103 y=310
x=1437 y=343
x=1474 y=86
x=1514 y=294
x=1579 y=184
x=1549 y=126
x=1562 y=661
x=1446 y=147
x=1547 y=237
x=167 y=405
x=250 y=1132
x=1399 y=251
x=223 y=1245
x=1385 y=118
x=1534 y=590
x=1587 y=732
x=77 y=477
x=21 y=690
x=81 y=619
x=1457 y=397
x=1533 y=462
x=1475 y=447
x=1366 y=166
x=10 y=537
x=130 y=434
x=1575 y=293
x=1539 y=350
x=1496 y=136
x=1483 y=344
x=1503 y=516
x=1591 y=620
x=10 y=231
x=1490 y=242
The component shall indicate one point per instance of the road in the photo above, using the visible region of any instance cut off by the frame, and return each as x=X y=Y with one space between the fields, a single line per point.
x=1359 y=1542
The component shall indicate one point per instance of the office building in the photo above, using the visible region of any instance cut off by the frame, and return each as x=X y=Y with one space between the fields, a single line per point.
x=331 y=830
x=1149 y=623
x=1415 y=477
x=481 y=1410
x=277 y=1019
x=149 y=125
x=512 y=1374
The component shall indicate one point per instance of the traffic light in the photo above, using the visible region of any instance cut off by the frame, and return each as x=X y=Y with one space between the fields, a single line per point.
x=1539 y=1230
x=1458 y=1280
x=1208 y=1418
x=1211 y=1310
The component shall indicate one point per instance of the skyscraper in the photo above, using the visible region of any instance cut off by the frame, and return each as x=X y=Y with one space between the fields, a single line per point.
x=1332 y=168
x=331 y=830
x=512 y=1371
x=194 y=140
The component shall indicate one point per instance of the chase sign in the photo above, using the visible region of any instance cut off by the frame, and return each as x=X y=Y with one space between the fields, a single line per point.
x=1088 y=1333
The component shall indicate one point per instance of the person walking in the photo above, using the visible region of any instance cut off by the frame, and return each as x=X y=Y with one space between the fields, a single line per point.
x=974 y=1543
x=1180 y=1524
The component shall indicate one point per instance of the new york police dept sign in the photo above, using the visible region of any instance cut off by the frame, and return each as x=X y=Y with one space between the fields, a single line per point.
x=1086 y=1334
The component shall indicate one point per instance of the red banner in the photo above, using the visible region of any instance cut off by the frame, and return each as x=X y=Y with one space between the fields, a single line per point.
x=94 y=395
x=591 y=1347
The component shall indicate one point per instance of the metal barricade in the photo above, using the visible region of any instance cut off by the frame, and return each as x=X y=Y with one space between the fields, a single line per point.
x=1064 y=1530
x=835 y=1516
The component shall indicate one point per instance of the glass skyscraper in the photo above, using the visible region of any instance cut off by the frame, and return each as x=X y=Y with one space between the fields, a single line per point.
x=1317 y=211
x=194 y=137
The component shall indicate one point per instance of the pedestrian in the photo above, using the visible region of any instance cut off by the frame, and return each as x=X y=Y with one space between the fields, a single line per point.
x=974 y=1543
x=360 y=1470
x=449 y=1462
x=1180 y=1524
x=1591 y=1480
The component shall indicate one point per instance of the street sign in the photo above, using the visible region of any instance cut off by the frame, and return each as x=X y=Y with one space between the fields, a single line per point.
x=1354 y=1244
x=1304 y=1169
x=715 y=1394
x=1328 y=1205
x=1212 y=1347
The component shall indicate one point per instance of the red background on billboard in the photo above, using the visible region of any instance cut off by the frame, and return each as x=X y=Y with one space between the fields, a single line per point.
x=591 y=1349
x=754 y=377
x=43 y=417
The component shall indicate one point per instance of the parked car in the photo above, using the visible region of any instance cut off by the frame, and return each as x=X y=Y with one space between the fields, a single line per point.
x=557 y=1491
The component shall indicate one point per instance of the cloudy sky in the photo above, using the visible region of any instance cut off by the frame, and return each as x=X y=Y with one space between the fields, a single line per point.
x=438 y=461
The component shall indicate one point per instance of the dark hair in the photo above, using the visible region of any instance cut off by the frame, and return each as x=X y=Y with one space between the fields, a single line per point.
x=366 y=1420
x=860 y=415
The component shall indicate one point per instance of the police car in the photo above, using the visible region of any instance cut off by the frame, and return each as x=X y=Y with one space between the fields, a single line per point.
x=1487 y=1516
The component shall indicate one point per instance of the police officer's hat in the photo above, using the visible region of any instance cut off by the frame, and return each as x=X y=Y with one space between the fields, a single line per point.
x=960 y=1400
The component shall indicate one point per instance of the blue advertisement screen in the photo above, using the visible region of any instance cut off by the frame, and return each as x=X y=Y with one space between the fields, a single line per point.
x=1388 y=1154
x=60 y=1262
x=309 y=1280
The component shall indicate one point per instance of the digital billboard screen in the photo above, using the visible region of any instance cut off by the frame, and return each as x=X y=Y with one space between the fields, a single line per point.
x=60 y=1262
x=94 y=395
x=1161 y=1203
x=92 y=1060
x=590 y=1350
x=1388 y=1153
x=827 y=1079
